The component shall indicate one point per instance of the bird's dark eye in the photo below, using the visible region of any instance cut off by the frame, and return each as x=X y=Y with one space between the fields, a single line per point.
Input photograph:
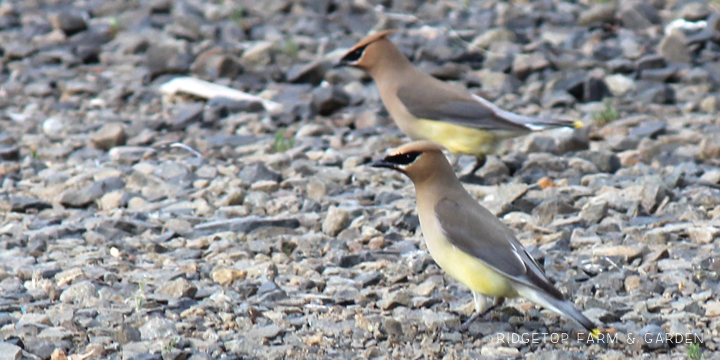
x=354 y=55
x=405 y=159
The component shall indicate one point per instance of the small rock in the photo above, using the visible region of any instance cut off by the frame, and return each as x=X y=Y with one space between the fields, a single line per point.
x=129 y=154
x=111 y=200
x=177 y=289
x=660 y=94
x=638 y=16
x=53 y=127
x=109 y=136
x=598 y=13
x=126 y=334
x=258 y=172
x=10 y=352
x=632 y=282
x=654 y=191
x=492 y=36
x=76 y=293
x=393 y=327
x=710 y=104
x=673 y=48
x=43 y=348
x=266 y=332
x=395 y=299
x=85 y=196
x=157 y=328
x=312 y=73
x=710 y=146
x=712 y=308
x=70 y=22
x=703 y=234
x=327 y=99
x=225 y=277
x=695 y=11
x=335 y=221
x=186 y=115
x=604 y=160
x=652 y=61
x=649 y=129
x=525 y=64
x=258 y=53
x=23 y=204
x=9 y=153
x=620 y=84
x=711 y=176
x=653 y=337
x=594 y=212
x=500 y=352
x=554 y=99
x=162 y=59
x=217 y=66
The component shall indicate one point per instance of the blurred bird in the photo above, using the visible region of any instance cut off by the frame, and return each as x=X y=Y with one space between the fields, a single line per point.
x=425 y=108
x=468 y=241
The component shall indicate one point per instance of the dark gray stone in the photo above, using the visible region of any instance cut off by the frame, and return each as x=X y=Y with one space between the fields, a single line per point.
x=651 y=61
x=23 y=204
x=9 y=153
x=217 y=66
x=85 y=196
x=638 y=16
x=659 y=94
x=187 y=115
x=652 y=337
x=674 y=48
x=258 y=172
x=244 y=225
x=312 y=73
x=328 y=99
x=604 y=160
x=649 y=129
x=70 y=22
x=162 y=59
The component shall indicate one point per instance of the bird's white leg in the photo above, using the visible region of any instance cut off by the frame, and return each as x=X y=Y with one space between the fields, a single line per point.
x=480 y=302
x=481 y=308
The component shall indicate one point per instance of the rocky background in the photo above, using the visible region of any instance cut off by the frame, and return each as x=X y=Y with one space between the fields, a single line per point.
x=140 y=225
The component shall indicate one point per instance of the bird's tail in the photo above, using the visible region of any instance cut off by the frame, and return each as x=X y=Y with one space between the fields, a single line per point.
x=561 y=307
x=542 y=124
x=532 y=123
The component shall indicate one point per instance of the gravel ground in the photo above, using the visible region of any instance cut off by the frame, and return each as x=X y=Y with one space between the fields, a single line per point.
x=140 y=225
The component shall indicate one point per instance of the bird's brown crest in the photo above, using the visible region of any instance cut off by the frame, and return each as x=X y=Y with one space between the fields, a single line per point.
x=418 y=146
x=372 y=38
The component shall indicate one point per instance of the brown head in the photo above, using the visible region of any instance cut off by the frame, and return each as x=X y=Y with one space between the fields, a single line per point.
x=374 y=53
x=419 y=160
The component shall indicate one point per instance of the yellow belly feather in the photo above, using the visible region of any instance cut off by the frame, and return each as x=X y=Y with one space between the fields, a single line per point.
x=462 y=139
x=469 y=270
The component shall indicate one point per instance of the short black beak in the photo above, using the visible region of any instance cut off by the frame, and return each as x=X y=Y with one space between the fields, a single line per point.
x=383 y=164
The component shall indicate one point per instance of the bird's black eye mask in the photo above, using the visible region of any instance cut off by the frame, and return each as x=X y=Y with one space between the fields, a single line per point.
x=403 y=159
x=354 y=55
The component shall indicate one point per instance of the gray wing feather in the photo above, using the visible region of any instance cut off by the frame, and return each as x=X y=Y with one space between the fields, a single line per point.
x=477 y=232
x=459 y=111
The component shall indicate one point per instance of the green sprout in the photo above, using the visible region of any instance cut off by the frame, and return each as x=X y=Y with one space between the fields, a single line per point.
x=290 y=48
x=694 y=352
x=609 y=114
x=282 y=142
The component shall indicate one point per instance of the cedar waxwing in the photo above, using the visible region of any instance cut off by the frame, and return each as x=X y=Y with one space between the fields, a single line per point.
x=425 y=108
x=468 y=241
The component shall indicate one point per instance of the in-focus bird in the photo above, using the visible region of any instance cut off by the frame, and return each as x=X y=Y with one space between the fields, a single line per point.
x=468 y=241
x=425 y=108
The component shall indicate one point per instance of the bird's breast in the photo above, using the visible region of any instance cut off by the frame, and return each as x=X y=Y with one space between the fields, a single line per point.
x=463 y=267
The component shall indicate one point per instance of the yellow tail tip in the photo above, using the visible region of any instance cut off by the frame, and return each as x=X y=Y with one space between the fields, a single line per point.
x=595 y=333
x=578 y=124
